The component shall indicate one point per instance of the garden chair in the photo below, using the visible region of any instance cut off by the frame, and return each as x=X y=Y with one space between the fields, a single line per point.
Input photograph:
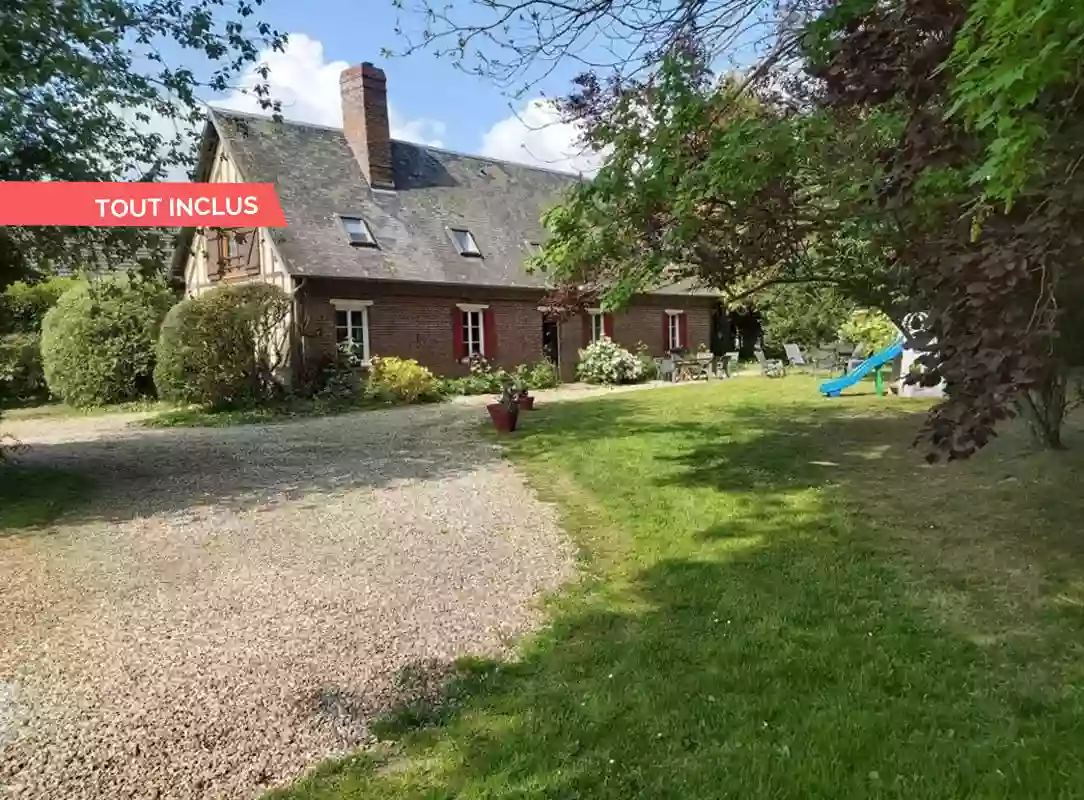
x=665 y=368
x=706 y=362
x=794 y=355
x=770 y=367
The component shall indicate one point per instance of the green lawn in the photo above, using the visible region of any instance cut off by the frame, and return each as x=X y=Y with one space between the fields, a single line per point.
x=62 y=410
x=782 y=600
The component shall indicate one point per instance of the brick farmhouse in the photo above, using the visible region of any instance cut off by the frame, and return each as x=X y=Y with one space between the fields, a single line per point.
x=405 y=249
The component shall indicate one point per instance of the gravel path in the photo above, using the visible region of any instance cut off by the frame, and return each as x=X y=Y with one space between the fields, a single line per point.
x=236 y=604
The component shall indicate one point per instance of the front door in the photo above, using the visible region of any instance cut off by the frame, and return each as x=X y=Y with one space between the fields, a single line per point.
x=550 y=337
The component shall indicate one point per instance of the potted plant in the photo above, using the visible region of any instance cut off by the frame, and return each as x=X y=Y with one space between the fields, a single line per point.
x=524 y=399
x=505 y=412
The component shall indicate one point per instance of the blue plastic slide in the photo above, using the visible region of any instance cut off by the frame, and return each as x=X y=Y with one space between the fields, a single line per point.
x=833 y=387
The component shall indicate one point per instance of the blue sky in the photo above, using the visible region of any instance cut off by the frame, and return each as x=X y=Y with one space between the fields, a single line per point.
x=430 y=100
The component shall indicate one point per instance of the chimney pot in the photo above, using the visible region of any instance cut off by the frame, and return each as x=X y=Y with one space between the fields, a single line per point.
x=365 y=122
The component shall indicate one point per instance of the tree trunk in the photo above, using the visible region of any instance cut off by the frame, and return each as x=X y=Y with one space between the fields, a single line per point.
x=1043 y=408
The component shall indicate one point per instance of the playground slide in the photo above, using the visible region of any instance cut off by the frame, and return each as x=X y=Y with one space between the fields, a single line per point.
x=833 y=387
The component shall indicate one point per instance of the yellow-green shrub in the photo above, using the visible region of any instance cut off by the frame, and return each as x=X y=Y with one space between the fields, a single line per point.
x=869 y=327
x=402 y=379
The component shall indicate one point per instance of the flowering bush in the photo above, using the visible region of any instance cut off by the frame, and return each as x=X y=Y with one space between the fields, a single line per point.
x=605 y=361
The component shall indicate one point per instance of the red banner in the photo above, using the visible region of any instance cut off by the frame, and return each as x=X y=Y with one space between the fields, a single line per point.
x=223 y=205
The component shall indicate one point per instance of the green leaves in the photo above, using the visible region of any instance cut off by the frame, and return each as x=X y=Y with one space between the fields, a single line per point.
x=1013 y=63
x=85 y=95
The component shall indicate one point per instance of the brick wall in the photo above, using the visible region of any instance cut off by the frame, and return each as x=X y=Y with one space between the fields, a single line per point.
x=413 y=321
x=643 y=322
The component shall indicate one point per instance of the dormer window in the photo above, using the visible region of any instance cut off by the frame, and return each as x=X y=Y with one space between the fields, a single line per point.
x=358 y=231
x=464 y=242
x=532 y=247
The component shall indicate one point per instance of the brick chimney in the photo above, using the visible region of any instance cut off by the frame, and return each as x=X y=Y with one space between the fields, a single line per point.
x=365 y=122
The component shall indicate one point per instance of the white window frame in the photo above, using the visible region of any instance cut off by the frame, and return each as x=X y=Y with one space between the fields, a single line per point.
x=598 y=324
x=349 y=306
x=465 y=322
x=673 y=328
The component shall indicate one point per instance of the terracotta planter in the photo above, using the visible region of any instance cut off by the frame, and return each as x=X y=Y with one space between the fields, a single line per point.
x=503 y=420
x=525 y=403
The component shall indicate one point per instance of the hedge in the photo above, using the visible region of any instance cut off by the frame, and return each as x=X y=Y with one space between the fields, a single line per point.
x=97 y=342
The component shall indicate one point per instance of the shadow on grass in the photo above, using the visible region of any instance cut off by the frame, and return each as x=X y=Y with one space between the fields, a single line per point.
x=32 y=498
x=781 y=603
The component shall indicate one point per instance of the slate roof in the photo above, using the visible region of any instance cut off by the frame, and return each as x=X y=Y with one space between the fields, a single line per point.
x=318 y=178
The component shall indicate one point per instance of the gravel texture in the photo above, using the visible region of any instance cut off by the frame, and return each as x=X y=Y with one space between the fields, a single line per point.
x=234 y=605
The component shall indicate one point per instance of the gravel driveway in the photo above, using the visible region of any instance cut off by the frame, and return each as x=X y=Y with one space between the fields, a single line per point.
x=235 y=604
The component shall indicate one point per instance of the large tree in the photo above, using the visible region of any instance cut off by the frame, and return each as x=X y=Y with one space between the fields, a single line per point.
x=521 y=43
x=925 y=156
x=108 y=90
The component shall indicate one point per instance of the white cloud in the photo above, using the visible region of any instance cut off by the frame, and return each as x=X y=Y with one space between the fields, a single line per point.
x=536 y=135
x=308 y=87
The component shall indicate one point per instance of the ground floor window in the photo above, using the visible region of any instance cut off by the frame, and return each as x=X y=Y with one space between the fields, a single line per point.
x=352 y=327
x=474 y=332
x=598 y=325
x=673 y=323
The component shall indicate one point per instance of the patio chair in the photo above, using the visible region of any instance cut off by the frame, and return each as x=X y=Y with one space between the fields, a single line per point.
x=706 y=362
x=794 y=356
x=770 y=367
x=665 y=368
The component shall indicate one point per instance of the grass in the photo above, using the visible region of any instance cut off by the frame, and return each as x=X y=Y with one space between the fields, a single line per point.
x=267 y=413
x=61 y=410
x=171 y=416
x=781 y=600
x=197 y=417
x=34 y=497
x=167 y=415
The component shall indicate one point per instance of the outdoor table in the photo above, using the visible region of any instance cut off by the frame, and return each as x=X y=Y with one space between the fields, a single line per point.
x=689 y=369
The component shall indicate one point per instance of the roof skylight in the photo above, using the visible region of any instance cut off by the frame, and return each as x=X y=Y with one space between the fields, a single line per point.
x=464 y=242
x=358 y=231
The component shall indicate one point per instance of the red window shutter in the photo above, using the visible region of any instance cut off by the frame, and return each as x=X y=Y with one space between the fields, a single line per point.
x=489 y=332
x=586 y=329
x=608 y=325
x=665 y=332
x=458 y=347
x=683 y=326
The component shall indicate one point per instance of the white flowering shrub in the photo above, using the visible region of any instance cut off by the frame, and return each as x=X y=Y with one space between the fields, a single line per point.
x=605 y=361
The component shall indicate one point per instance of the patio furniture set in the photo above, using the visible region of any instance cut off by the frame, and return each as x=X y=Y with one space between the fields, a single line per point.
x=840 y=357
x=680 y=366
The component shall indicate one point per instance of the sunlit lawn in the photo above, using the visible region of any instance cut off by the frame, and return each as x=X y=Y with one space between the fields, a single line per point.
x=781 y=600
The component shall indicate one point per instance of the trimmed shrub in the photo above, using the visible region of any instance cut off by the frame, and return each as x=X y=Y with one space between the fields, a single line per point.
x=22 y=380
x=605 y=361
x=224 y=347
x=23 y=306
x=97 y=342
x=402 y=379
